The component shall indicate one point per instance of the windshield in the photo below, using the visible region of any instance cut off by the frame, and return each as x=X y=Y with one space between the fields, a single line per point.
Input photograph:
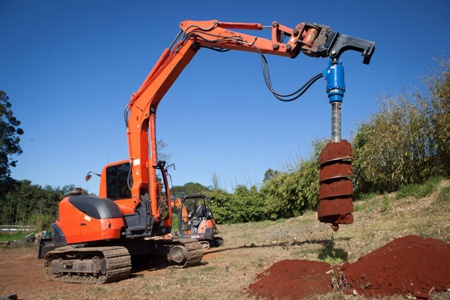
x=116 y=182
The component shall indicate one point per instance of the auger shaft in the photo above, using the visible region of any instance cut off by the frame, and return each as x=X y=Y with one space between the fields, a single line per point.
x=336 y=122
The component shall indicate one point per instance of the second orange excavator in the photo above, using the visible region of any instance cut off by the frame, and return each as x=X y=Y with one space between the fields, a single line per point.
x=94 y=238
x=196 y=220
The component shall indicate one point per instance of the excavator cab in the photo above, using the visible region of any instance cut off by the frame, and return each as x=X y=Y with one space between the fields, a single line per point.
x=196 y=220
x=116 y=182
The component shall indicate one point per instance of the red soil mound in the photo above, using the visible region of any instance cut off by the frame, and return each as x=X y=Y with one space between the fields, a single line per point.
x=410 y=265
x=293 y=279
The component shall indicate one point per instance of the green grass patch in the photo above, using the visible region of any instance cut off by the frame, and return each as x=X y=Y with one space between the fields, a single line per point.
x=333 y=256
x=410 y=190
x=444 y=195
x=386 y=203
x=4 y=237
x=419 y=190
x=357 y=206
x=368 y=196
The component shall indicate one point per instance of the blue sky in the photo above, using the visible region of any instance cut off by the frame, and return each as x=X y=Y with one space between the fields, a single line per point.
x=69 y=68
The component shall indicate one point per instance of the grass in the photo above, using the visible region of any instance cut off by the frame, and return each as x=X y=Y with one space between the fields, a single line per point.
x=5 y=237
x=386 y=203
x=419 y=190
x=251 y=248
x=444 y=195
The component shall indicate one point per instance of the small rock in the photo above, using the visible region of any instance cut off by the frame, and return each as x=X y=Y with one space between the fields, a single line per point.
x=422 y=295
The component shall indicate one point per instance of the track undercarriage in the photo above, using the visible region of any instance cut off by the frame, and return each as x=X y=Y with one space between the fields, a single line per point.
x=104 y=264
x=88 y=265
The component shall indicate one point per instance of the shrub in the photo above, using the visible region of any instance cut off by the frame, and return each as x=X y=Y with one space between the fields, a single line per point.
x=290 y=194
x=407 y=141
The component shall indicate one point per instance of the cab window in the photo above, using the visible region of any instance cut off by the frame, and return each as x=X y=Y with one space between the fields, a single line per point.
x=116 y=182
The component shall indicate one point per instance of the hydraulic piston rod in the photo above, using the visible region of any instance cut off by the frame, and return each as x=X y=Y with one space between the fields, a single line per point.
x=336 y=122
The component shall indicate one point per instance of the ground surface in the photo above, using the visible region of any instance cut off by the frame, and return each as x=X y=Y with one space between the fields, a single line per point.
x=393 y=250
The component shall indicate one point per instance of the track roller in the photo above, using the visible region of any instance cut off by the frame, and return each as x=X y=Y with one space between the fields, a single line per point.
x=186 y=252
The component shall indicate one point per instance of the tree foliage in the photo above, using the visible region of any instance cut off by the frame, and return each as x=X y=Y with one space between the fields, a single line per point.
x=10 y=140
x=439 y=98
x=221 y=205
x=244 y=205
x=406 y=141
x=270 y=174
x=190 y=188
x=289 y=194
x=29 y=204
x=162 y=155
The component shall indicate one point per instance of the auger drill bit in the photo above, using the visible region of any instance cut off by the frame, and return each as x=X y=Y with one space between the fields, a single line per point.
x=336 y=187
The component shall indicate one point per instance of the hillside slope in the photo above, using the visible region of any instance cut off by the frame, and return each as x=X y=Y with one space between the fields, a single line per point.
x=249 y=250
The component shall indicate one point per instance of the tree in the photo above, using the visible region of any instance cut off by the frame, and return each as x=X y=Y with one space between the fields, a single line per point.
x=270 y=174
x=160 y=144
x=9 y=133
x=189 y=188
x=30 y=204
x=215 y=181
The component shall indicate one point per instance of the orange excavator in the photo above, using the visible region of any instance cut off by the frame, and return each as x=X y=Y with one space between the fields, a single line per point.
x=94 y=238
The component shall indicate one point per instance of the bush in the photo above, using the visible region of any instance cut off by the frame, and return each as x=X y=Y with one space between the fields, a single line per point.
x=41 y=222
x=407 y=141
x=289 y=195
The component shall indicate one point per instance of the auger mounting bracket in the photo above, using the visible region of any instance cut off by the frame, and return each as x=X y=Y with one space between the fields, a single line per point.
x=338 y=43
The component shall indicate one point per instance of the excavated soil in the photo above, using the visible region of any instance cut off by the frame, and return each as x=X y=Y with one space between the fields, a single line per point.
x=293 y=279
x=409 y=266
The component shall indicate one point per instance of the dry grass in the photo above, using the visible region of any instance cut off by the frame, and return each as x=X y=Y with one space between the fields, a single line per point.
x=251 y=248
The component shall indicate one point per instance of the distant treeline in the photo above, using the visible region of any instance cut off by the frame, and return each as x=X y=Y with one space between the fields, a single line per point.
x=30 y=204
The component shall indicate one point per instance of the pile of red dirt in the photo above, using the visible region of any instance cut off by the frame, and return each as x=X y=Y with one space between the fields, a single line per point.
x=293 y=279
x=411 y=265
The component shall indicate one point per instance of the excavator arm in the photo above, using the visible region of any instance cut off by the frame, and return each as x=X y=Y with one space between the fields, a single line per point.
x=310 y=39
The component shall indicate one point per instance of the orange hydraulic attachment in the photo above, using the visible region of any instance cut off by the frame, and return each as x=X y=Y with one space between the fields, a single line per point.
x=336 y=187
